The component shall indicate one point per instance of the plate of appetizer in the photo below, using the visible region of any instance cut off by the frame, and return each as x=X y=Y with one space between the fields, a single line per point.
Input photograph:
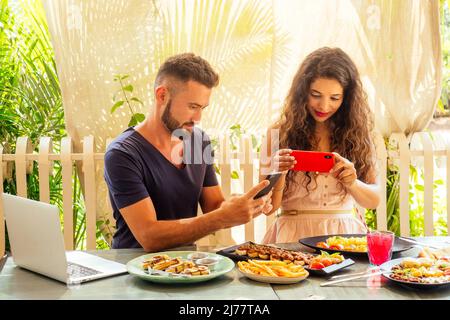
x=251 y=250
x=322 y=264
x=351 y=244
x=180 y=266
x=327 y=263
x=419 y=273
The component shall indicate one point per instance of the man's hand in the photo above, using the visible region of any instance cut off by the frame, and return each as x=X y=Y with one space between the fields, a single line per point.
x=242 y=209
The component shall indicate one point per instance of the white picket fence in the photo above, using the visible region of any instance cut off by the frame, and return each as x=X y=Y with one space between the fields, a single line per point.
x=245 y=162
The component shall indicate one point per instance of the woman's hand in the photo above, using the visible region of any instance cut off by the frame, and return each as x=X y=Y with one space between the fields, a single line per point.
x=282 y=161
x=267 y=208
x=344 y=171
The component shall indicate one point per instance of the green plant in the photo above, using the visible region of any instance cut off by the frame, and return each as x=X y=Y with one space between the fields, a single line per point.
x=416 y=201
x=30 y=98
x=392 y=203
x=443 y=108
x=126 y=91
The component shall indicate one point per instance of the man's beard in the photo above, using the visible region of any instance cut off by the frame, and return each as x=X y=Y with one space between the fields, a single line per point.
x=170 y=122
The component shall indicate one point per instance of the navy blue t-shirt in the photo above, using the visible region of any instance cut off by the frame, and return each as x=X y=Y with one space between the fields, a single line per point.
x=135 y=170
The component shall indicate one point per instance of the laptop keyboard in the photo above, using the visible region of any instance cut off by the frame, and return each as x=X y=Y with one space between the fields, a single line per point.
x=78 y=271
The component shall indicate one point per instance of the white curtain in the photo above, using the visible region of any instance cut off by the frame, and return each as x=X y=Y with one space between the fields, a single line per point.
x=256 y=46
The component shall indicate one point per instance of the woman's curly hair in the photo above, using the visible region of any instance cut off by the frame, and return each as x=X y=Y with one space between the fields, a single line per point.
x=351 y=126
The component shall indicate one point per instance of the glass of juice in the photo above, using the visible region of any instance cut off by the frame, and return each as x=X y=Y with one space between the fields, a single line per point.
x=379 y=246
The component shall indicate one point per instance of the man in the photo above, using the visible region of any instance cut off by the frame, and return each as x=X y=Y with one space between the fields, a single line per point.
x=154 y=175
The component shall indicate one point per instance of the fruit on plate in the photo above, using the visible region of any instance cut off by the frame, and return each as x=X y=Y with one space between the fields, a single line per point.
x=322 y=245
x=316 y=265
x=325 y=260
x=339 y=243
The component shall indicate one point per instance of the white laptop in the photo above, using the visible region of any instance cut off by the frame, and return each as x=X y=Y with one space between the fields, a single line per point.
x=37 y=244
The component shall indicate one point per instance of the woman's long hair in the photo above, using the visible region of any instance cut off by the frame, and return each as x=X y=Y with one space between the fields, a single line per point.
x=350 y=127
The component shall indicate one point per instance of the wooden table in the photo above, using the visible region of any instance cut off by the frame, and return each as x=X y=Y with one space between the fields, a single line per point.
x=18 y=283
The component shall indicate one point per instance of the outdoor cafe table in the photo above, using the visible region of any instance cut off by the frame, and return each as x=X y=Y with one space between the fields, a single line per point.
x=18 y=283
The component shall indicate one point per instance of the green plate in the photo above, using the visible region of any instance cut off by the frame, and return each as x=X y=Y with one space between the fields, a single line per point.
x=223 y=266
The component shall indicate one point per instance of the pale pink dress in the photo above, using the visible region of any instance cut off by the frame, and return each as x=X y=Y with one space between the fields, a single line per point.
x=326 y=199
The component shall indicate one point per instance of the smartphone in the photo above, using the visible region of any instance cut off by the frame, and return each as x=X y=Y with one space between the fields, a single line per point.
x=273 y=178
x=313 y=161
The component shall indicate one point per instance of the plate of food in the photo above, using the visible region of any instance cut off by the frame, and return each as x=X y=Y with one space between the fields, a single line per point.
x=327 y=263
x=251 y=250
x=419 y=273
x=179 y=266
x=351 y=244
x=272 y=271
x=322 y=264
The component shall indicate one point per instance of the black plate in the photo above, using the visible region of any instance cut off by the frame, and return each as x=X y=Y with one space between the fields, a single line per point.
x=330 y=269
x=399 y=245
x=389 y=264
x=229 y=252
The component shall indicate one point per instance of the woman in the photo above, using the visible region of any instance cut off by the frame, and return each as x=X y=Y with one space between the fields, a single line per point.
x=325 y=110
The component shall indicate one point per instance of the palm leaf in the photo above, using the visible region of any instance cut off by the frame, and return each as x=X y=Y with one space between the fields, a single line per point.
x=236 y=37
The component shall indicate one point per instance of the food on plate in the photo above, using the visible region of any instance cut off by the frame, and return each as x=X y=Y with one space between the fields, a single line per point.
x=416 y=262
x=434 y=254
x=263 y=252
x=197 y=271
x=163 y=265
x=354 y=244
x=422 y=270
x=325 y=260
x=174 y=265
x=154 y=260
x=272 y=268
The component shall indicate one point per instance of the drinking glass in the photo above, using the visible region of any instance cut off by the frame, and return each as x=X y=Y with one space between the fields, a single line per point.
x=379 y=246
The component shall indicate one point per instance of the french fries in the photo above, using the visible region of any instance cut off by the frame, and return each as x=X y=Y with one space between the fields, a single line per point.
x=272 y=268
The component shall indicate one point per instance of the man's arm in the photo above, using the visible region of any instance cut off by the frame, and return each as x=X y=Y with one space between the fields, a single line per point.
x=211 y=198
x=154 y=235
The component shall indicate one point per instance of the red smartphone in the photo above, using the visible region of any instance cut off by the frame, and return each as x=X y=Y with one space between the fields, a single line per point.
x=313 y=161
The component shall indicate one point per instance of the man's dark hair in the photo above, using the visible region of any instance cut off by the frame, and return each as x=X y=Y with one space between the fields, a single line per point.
x=188 y=66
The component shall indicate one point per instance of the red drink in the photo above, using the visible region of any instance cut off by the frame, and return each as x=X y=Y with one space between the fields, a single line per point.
x=379 y=246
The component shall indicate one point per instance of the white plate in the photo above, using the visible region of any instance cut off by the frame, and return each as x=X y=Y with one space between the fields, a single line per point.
x=276 y=280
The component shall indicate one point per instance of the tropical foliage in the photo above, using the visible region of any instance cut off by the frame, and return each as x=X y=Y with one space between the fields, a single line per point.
x=444 y=103
x=124 y=98
x=30 y=99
